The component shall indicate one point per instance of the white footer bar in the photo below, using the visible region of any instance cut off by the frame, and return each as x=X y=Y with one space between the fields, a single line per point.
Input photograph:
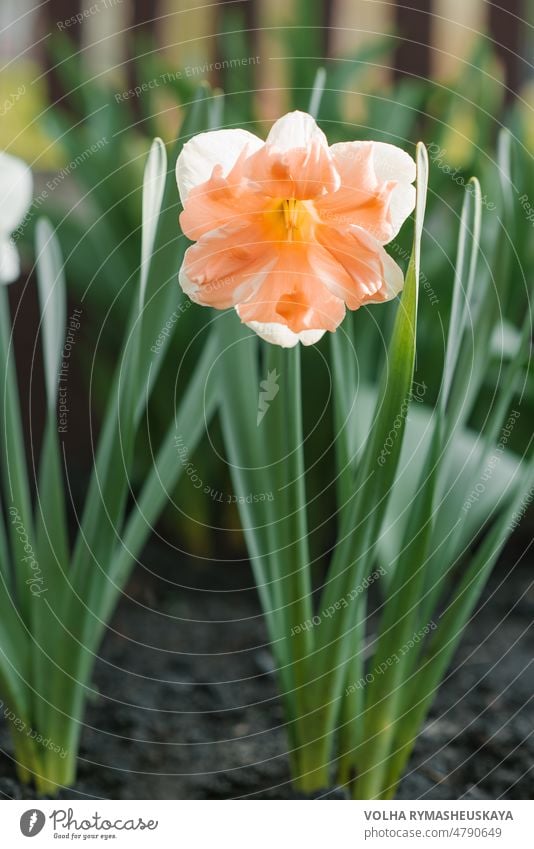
x=268 y=825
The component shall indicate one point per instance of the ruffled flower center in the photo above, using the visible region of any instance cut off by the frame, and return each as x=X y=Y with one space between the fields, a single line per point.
x=291 y=220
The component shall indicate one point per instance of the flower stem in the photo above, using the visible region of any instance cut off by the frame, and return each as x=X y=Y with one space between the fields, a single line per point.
x=48 y=768
x=313 y=766
x=25 y=754
x=352 y=706
x=291 y=566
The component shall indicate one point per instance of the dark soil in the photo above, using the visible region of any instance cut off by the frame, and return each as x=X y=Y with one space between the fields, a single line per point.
x=187 y=705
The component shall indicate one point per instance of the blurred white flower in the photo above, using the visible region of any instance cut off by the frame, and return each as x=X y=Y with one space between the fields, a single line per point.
x=16 y=186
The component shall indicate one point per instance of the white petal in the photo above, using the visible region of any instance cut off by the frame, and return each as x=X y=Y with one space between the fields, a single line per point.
x=392 y=163
x=296 y=129
x=393 y=276
x=9 y=261
x=16 y=186
x=202 y=153
x=188 y=287
x=279 y=334
x=401 y=205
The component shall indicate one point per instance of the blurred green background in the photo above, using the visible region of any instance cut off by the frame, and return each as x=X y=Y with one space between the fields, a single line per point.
x=84 y=89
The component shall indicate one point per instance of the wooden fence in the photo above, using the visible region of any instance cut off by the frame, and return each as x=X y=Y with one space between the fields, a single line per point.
x=433 y=37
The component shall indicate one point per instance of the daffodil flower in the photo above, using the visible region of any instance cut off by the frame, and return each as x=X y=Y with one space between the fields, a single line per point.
x=291 y=231
x=16 y=187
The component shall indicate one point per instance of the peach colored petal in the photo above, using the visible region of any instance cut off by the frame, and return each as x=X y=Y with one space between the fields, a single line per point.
x=201 y=154
x=370 y=196
x=295 y=161
x=371 y=276
x=221 y=201
x=297 y=292
x=226 y=265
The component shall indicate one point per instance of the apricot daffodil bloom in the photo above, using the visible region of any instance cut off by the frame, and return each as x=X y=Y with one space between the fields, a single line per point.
x=291 y=231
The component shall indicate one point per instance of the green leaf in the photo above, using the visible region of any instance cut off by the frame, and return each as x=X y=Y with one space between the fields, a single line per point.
x=489 y=298
x=464 y=282
x=256 y=467
x=13 y=457
x=108 y=490
x=439 y=653
x=467 y=457
x=345 y=403
x=317 y=92
x=196 y=407
x=52 y=300
x=246 y=451
x=109 y=484
x=153 y=189
x=50 y=520
x=377 y=473
x=163 y=293
x=15 y=655
x=93 y=590
x=352 y=558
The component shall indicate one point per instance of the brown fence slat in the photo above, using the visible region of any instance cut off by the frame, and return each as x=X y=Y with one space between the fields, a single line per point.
x=456 y=27
x=505 y=26
x=54 y=14
x=413 y=21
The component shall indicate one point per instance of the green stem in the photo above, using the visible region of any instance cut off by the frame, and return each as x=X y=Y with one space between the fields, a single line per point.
x=352 y=708
x=24 y=755
x=298 y=577
x=313 y=765
x=44 y=757
x=14 y=465
x=59 y=769
x=289 y=571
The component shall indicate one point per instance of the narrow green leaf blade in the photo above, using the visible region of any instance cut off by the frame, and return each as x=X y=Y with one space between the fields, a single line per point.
x=13 y=457
x=50 y=515
x=52 y=300
x=464 y=282
x=153 y=189
x=352 y=556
